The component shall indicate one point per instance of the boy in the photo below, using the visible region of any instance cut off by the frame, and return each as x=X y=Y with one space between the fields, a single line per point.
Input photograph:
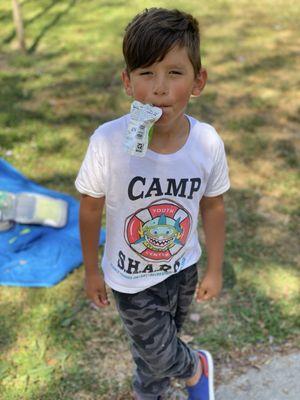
x=152 y=206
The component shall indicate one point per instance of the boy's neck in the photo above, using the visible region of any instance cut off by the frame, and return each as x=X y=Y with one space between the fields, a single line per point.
x=169 y=139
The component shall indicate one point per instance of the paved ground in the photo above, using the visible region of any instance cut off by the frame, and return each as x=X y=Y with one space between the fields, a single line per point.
x=277 y=380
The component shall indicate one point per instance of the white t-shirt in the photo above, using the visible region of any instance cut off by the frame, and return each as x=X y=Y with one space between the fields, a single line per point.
x=152 y=202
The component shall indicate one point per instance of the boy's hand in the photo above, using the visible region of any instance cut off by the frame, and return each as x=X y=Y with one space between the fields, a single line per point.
x=95 y=289
x=210 y=286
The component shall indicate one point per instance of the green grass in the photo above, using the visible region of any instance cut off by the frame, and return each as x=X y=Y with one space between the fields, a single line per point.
x=53 y=345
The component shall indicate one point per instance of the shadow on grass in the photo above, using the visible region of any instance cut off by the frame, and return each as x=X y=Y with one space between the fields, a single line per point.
x=252 y=142
x=27 y=22
x=42 y=12
x=268 y=64
x=79 y=102
x=247 y=318
x=261 y=317
x=46 y=28
x=287 y=151
x=11 y=88
x=50 y=25
x=61 y=182
x=8 y=15
x=243 y=221
x=12 y=114
x=82 y=385
x=271 y=63
x=10 y=316
x=69 y=385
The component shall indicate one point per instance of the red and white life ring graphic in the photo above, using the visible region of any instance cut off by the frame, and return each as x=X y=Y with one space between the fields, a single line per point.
x=159 y=231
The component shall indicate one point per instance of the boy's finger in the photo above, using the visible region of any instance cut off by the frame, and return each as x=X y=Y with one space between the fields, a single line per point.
x=96 y=301
x=105 y=302
x=200 y=293
x=206 y=296
x=103 y=299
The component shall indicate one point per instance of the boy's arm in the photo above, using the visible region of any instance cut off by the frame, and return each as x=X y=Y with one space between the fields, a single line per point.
x=90 y=216
x=213 y=217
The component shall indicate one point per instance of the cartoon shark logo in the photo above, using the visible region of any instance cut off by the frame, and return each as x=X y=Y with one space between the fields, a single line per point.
x=159 y=231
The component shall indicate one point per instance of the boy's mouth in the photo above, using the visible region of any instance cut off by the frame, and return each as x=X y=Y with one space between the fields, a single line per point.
x=164 y=107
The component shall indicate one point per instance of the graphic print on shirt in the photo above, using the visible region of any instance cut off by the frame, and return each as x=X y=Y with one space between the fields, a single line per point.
x=159 y=231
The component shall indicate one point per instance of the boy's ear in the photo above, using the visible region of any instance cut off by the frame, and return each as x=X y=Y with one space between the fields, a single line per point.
x=200 y=82
x=126 y=82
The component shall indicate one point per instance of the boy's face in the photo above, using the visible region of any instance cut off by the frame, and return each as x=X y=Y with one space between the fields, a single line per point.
x=167 y=84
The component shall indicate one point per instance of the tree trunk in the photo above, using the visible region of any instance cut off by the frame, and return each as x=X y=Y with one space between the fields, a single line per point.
x=19 y=25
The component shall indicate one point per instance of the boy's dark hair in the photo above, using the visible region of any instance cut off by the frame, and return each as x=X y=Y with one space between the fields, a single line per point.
x=154 y=32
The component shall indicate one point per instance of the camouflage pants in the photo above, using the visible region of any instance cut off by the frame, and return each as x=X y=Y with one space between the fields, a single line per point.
x=152 y=320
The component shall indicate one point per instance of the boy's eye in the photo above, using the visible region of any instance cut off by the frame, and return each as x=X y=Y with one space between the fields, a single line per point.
x=145 y=73
x=175 y=73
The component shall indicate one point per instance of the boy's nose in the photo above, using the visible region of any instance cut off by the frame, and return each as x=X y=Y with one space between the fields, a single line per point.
x=160 y=86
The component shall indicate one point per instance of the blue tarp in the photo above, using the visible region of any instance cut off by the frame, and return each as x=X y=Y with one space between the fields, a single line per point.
x=36 y=255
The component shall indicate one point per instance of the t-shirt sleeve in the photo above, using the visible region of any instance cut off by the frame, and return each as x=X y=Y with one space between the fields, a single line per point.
x=90 y=179
x=218 y=181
